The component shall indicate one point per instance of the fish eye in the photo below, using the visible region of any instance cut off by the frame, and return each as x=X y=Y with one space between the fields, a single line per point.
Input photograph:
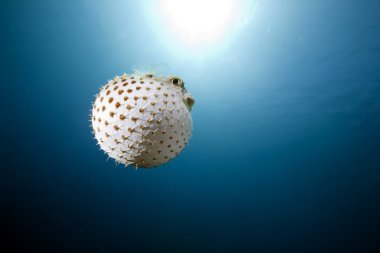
x=177 y=82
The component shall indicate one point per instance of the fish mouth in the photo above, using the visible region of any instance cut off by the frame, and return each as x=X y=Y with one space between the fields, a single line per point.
x=189 y=101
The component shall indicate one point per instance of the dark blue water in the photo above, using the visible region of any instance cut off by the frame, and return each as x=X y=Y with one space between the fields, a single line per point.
x=285 y=153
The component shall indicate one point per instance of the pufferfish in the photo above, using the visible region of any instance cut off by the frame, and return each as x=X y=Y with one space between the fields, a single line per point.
x=143 y=120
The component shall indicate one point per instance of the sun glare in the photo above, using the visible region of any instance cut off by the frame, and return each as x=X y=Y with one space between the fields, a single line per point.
x=199 y=20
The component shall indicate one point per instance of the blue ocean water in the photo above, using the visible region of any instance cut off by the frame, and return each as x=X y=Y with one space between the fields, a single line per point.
x=285 y=153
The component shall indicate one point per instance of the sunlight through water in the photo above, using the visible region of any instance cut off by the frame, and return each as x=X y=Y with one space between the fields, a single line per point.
x=198 y=28
x=199 y=20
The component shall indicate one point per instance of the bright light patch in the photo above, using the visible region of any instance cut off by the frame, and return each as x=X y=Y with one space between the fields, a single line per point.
x=200 y=20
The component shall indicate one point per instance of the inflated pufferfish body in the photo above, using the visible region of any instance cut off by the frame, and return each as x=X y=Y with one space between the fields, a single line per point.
x=142 y=119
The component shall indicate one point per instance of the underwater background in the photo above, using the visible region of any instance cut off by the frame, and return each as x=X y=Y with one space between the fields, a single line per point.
x=285 y=152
